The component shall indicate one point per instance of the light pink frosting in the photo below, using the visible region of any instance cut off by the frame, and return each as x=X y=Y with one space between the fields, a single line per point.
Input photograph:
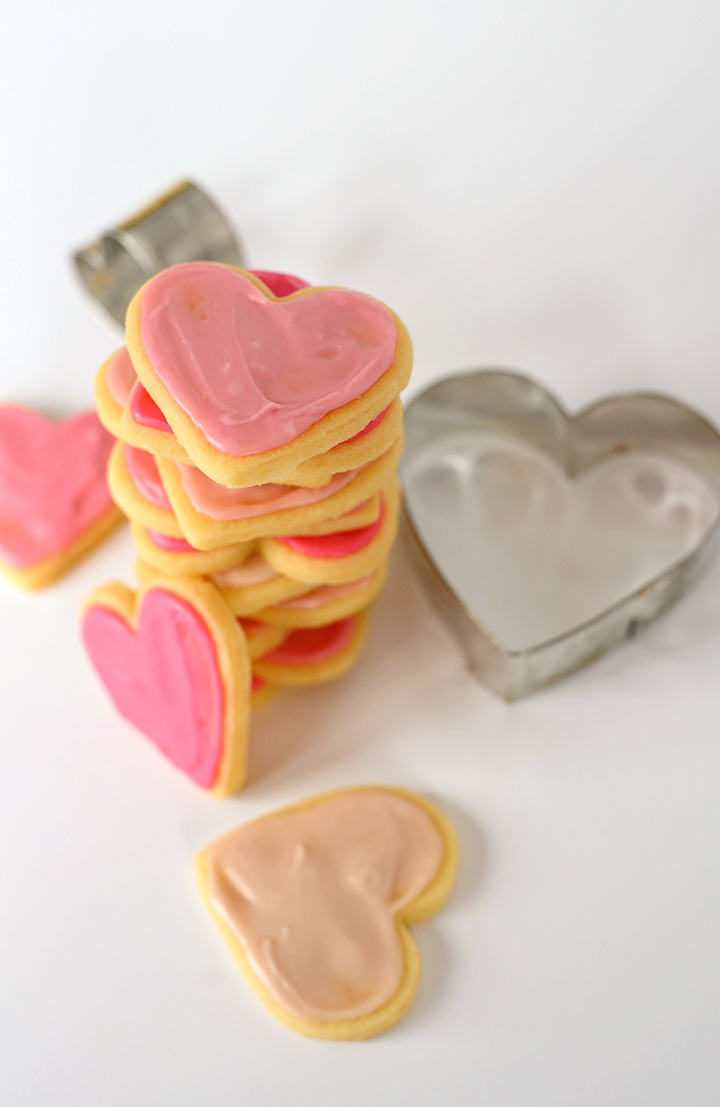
x=254 y=373
x=120 y=377
x=253 y=571
x=143 y=408
x=164 y=679
x=144 y=474
x=326 y=593
x=312 y=895
x=213 y=499
x=341 y=544
x=52 y=483
x=311 y=645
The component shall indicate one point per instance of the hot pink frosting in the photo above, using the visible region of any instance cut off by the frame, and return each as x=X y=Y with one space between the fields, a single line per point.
x=311 y=645
x=166 y=542
x=145 y=411
x=144 y=474
x=164 y=679
x=280 y=284
x=213 y=499
x=254 y=373
x=120 y=377
x=52 y=483
x=341 y=544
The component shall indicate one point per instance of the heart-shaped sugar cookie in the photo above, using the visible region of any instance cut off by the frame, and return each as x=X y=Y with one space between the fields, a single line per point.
x=315 y=900
x=240 y=374
x=54 y=500
x=175 y=662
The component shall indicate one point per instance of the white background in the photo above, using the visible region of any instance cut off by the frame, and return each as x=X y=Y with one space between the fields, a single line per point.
x=532 y=183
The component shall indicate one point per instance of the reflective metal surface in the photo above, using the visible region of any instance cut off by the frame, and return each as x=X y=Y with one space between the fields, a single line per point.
x=182 y=225
x=544 y=539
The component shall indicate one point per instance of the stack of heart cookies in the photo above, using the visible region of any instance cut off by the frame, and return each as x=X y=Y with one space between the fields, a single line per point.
x=259 y=431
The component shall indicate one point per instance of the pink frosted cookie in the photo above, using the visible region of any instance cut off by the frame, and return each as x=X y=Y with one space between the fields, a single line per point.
x=175 y=661
x=54 y=500
x=211 y=515
x=314 y=902
x=133 y=479
x=175 y=557
x=113 y=384
x=254 y=586
x=254 y=385
x=145 y=503
x=139 y=422
x=343 y=556
x=312 y=655
x=247 y=588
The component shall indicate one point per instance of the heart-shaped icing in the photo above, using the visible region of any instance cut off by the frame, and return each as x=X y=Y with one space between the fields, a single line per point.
x=52 y=483
x=543 y=538
x=254 y=373
x=314 y=900
x=144 y=410
x=164 y=673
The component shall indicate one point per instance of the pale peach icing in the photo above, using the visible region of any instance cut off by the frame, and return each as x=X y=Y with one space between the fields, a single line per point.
x=120 y=377
x=312 y=896
x=253 y=373
x=253 y=571
x=327 y=593
x=213 y=499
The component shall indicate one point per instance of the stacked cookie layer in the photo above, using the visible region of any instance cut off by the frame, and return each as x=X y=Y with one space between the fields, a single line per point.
x=259 y=430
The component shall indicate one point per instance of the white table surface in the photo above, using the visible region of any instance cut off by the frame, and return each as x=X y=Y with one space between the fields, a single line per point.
x=529 y=184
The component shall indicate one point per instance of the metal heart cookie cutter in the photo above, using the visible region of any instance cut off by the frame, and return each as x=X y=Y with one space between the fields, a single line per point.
x=542 y=538
x=183 y=224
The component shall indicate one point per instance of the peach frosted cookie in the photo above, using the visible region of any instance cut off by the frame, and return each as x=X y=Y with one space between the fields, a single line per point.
x=255 y=585
x=314 y=902
x=327 y=603
x=254 y=385
x=175 y=661
x=54 y=501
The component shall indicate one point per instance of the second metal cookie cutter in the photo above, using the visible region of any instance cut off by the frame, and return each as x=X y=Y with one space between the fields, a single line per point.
x=513 y=407
x=182 y=225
